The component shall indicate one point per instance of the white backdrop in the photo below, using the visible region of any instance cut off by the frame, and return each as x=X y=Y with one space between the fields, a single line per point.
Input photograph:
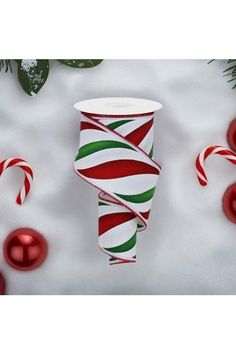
x=189 y=247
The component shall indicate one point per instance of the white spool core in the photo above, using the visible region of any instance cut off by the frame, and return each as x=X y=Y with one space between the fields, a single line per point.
x=118 y=106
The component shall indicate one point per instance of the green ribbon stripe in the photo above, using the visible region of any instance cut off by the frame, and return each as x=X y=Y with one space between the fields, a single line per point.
x=124 y=247
x=138 y=198
x=90 y=148
x=117 y=124
x=151 y=152
x=101 y=203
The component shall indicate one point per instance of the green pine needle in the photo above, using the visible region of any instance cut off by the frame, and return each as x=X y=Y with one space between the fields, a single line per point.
x=5 y=63
x=230 y=71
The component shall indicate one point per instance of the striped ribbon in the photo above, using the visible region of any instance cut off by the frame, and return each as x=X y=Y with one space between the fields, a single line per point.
x=115 y=156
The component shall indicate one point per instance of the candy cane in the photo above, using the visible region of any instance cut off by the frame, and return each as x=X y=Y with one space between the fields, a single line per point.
x=16 y=161
x=115 y=156
x=204 y=154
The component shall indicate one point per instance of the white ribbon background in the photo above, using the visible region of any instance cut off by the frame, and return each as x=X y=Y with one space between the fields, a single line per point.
x=190 y=247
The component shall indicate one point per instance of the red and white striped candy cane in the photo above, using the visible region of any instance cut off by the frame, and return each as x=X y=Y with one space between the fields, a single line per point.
x=204 y=154
x=28 y=172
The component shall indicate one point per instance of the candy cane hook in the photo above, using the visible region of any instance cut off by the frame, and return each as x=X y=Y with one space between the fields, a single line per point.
x=28 y=172
x=204 y=154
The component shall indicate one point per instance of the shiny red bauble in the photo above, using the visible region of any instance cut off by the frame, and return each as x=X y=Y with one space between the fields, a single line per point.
x=231 y=135
x=2 y=285
x=229 y=203
x=25 y=249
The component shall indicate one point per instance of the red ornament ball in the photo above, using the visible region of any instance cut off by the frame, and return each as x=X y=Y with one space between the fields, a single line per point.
x=231 y=135
x=229 y=203
x=25 y=249
x=2 y=285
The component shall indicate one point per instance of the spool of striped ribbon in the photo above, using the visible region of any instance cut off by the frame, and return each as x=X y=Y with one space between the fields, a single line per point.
x=115 y=156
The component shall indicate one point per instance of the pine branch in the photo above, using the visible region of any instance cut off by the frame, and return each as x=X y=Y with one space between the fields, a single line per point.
x=230 y=71
x=5 y=63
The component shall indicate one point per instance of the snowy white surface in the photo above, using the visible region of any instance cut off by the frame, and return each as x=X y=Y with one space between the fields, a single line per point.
x=189 y=247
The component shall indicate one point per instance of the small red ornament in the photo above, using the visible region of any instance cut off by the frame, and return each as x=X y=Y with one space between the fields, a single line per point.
x=2 y=285
x=25 y=249
x=229 y=203
x=231 y=135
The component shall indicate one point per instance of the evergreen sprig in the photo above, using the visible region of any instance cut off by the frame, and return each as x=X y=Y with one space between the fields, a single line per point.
x=5 y=63
x=231 y=71
x=33 y=73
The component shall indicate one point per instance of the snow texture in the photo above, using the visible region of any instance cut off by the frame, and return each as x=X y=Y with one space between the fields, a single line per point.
x=189 y=246
x=28 y=64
